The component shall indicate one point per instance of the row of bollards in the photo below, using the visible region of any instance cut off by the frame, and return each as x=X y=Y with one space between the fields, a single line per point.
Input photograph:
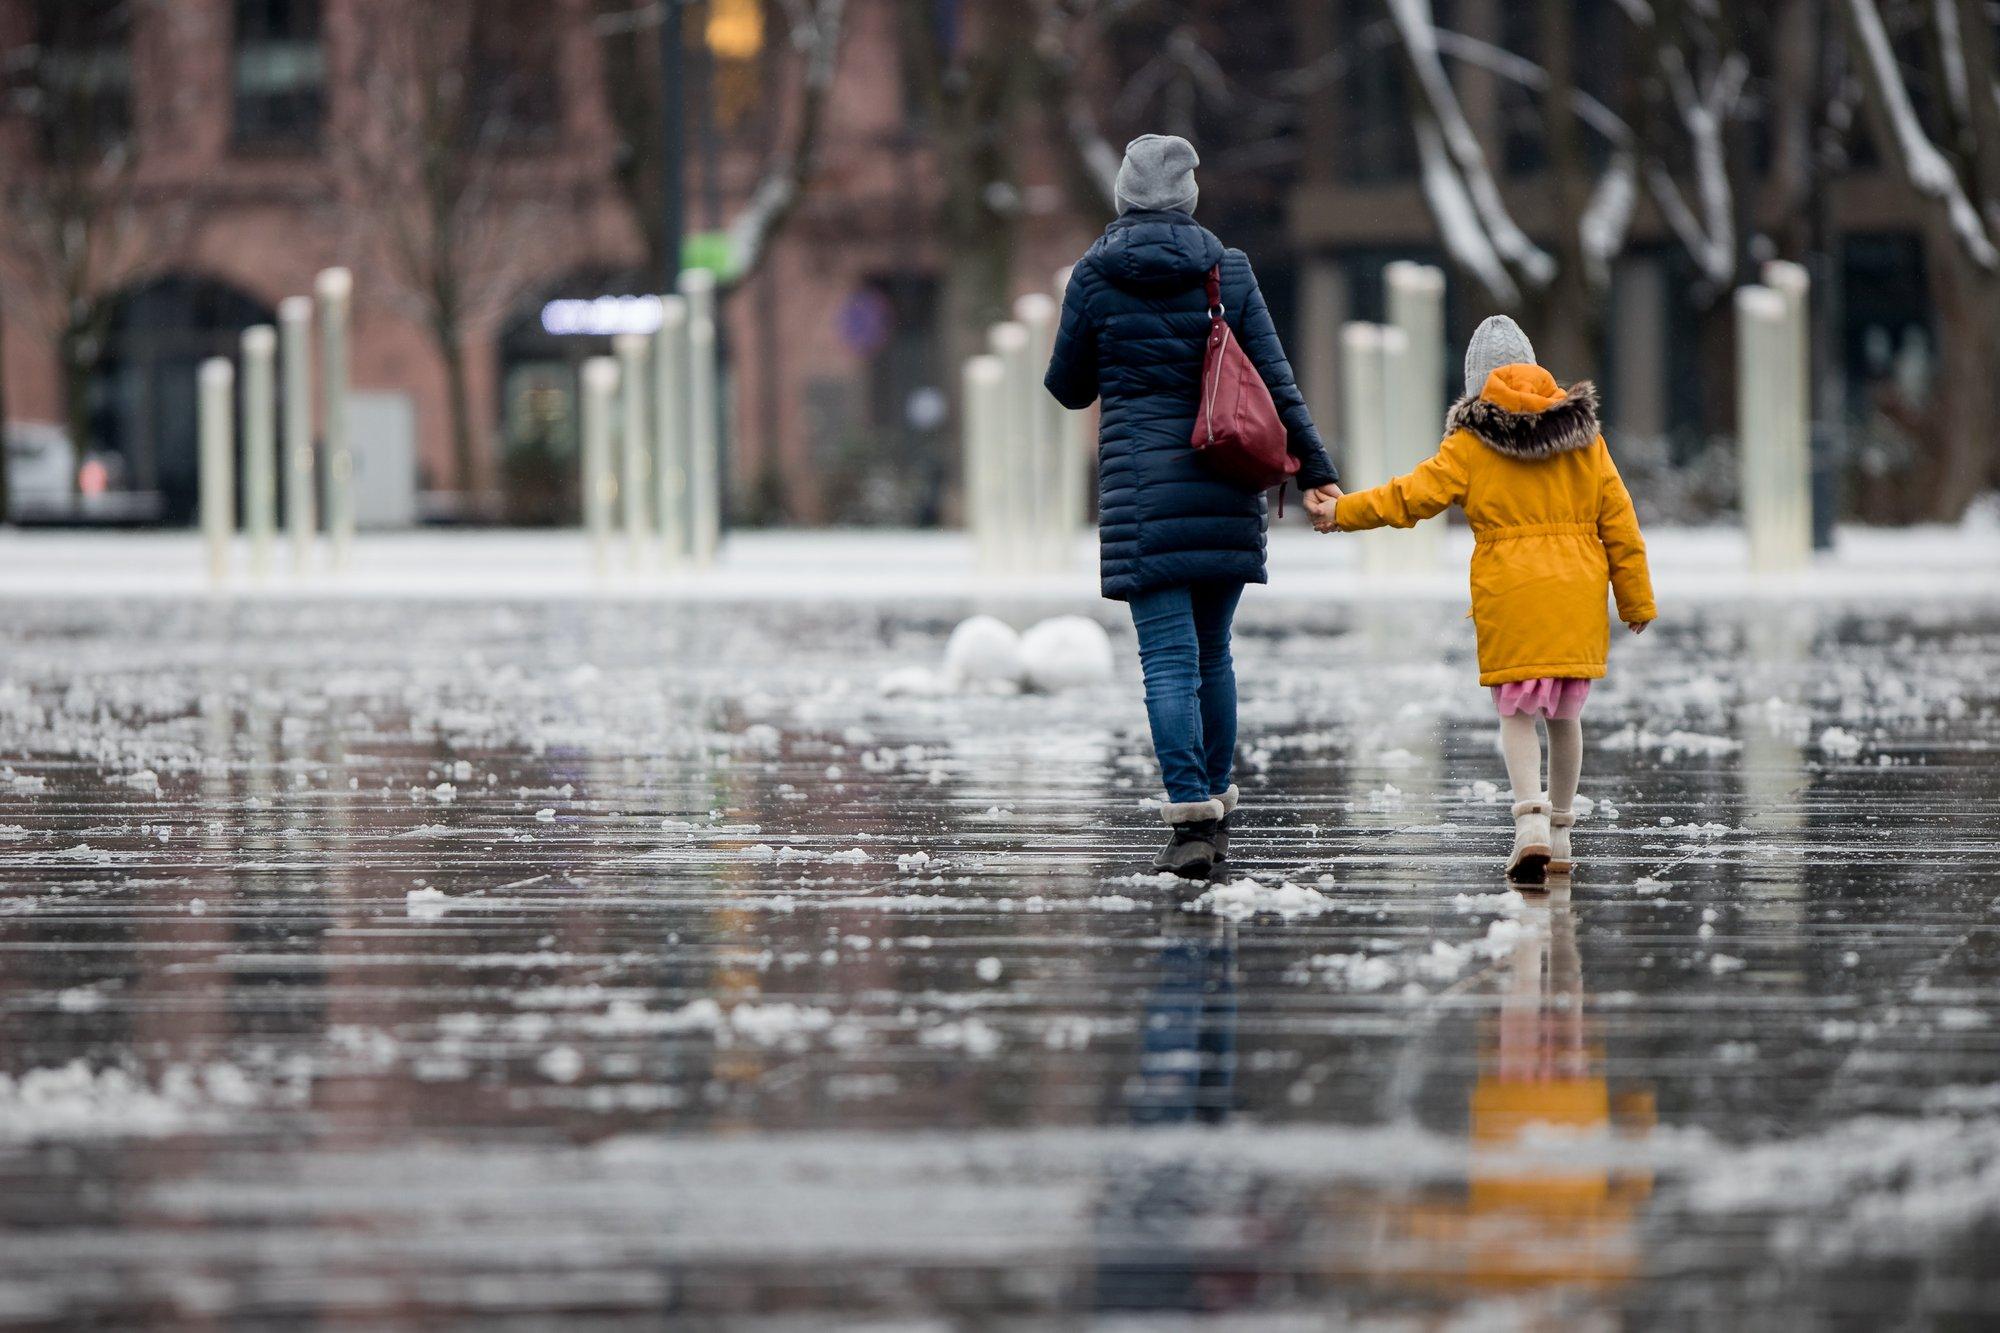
x=1026 y=502
x=271 y=356
x=1392 y=409
x=651 y=420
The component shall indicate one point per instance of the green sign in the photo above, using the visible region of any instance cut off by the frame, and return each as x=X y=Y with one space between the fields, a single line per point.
x=711 y=250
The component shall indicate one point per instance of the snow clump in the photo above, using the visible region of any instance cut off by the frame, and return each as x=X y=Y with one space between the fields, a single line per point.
x=1066 y=653
x=984 y=653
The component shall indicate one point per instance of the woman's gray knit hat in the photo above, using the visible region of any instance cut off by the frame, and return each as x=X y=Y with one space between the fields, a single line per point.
x=1157 y=173
x=1497 y=342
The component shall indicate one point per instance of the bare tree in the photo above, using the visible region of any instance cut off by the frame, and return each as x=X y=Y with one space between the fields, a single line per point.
x=975 y=94
x=1939 y=123
x=797 y=76
x=433 y=176
x=77 y=230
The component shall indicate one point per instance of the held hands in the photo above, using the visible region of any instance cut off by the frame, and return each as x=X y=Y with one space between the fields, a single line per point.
x=1319 y=504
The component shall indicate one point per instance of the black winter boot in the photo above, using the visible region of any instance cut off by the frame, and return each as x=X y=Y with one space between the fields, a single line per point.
x=1191 y=852
x=1228 y=799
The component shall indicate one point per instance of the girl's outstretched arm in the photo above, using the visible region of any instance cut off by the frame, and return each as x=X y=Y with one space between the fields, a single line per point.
x=1624 y=546
x=1434 y=486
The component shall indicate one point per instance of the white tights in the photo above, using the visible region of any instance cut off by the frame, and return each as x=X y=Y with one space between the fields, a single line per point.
x=1522 y=749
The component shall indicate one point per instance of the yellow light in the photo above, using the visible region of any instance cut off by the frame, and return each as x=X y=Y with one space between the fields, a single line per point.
x=735 y=28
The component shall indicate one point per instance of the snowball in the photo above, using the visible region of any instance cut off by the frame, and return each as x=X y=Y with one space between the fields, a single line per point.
x=1066 y=653
x=983 y=651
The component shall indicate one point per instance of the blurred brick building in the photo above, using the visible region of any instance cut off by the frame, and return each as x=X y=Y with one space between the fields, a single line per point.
x=228 y=120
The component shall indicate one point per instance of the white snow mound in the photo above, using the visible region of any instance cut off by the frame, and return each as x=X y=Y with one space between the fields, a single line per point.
x=983 y=652
x=1066 y=653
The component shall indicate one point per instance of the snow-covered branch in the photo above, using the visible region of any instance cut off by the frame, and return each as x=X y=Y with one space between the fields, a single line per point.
x=816 y=30
x=1525 y=72
x=1465 y=237
x=1927 y=169
x=1457 y=178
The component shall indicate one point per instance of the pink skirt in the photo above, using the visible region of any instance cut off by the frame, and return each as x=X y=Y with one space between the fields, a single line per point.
x=1547 y=696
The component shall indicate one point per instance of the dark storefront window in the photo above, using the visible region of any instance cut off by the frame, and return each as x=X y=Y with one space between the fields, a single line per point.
x=83 y=87
x=279 y=74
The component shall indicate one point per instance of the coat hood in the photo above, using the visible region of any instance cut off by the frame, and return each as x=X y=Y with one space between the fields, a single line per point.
x=1156 y=253
x=1523 y=413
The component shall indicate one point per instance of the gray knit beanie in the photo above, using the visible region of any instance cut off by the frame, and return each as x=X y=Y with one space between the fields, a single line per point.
x=1497 y=342
x=1157 y=173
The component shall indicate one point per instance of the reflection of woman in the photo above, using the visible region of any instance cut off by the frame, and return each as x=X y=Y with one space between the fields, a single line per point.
x=1169 y=1236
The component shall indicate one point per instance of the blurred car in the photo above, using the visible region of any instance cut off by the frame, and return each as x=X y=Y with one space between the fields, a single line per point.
x=46 y=484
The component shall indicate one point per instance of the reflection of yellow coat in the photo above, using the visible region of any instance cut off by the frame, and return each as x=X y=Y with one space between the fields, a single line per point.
x=1552 y=521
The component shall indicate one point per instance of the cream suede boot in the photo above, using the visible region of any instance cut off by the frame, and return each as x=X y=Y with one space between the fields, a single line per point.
x=1560 y=823
x=1530 y=860
x=1229 y=799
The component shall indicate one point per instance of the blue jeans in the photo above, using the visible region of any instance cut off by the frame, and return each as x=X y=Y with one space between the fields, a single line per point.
x=1190 y=684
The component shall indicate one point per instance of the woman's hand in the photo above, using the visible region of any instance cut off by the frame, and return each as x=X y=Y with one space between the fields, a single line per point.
x=1320 y=501
x=1637 y=626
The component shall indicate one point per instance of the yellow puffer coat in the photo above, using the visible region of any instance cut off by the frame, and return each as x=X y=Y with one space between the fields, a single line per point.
x=1551 y=517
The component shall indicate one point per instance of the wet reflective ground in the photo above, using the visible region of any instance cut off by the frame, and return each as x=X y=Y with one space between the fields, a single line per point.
x=385 y=965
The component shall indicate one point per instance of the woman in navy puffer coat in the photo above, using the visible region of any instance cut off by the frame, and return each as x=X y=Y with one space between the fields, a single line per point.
x=1176 y=542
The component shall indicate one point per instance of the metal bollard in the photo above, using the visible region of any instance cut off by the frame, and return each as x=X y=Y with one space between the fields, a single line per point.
x=1792 y=467
x=217 y=428
x=1372 y=369
x=670 y=430
x=1043 y=436
x=335 y=290
x=1013 y=451
x=704 y=420
x=634 y=443
x=599 y=484
x=985 y=382
x=295 y=352
x=260 y=445
x=1416 y=396
x=1775 y=479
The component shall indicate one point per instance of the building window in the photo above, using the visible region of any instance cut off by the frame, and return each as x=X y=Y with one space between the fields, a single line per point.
x=280 y=73
x=515 y=86
x=81 y=91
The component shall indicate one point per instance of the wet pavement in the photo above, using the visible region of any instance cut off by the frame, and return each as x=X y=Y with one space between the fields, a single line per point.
x=385 y=964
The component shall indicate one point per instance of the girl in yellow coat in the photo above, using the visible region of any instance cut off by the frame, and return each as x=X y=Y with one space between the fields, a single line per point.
x=1553 y=526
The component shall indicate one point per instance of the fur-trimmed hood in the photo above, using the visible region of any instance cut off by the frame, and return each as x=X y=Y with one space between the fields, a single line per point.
x=1522 y=413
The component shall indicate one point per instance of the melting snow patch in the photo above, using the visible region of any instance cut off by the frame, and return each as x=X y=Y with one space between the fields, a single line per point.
x=426 y=904
x=74 y=1101
x=1671 y=745
x=1246 y=898
x=968 y=1034
x=560 y=1064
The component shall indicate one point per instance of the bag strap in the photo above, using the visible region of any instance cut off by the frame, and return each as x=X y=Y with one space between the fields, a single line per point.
x=1215 y=291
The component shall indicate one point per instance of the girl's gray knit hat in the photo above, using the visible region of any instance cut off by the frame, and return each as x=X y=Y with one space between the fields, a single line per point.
x=1157 y=173
x=1497 y=342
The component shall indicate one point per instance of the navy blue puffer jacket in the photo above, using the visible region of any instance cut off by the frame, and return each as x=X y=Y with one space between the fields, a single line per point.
x=1134 y=323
